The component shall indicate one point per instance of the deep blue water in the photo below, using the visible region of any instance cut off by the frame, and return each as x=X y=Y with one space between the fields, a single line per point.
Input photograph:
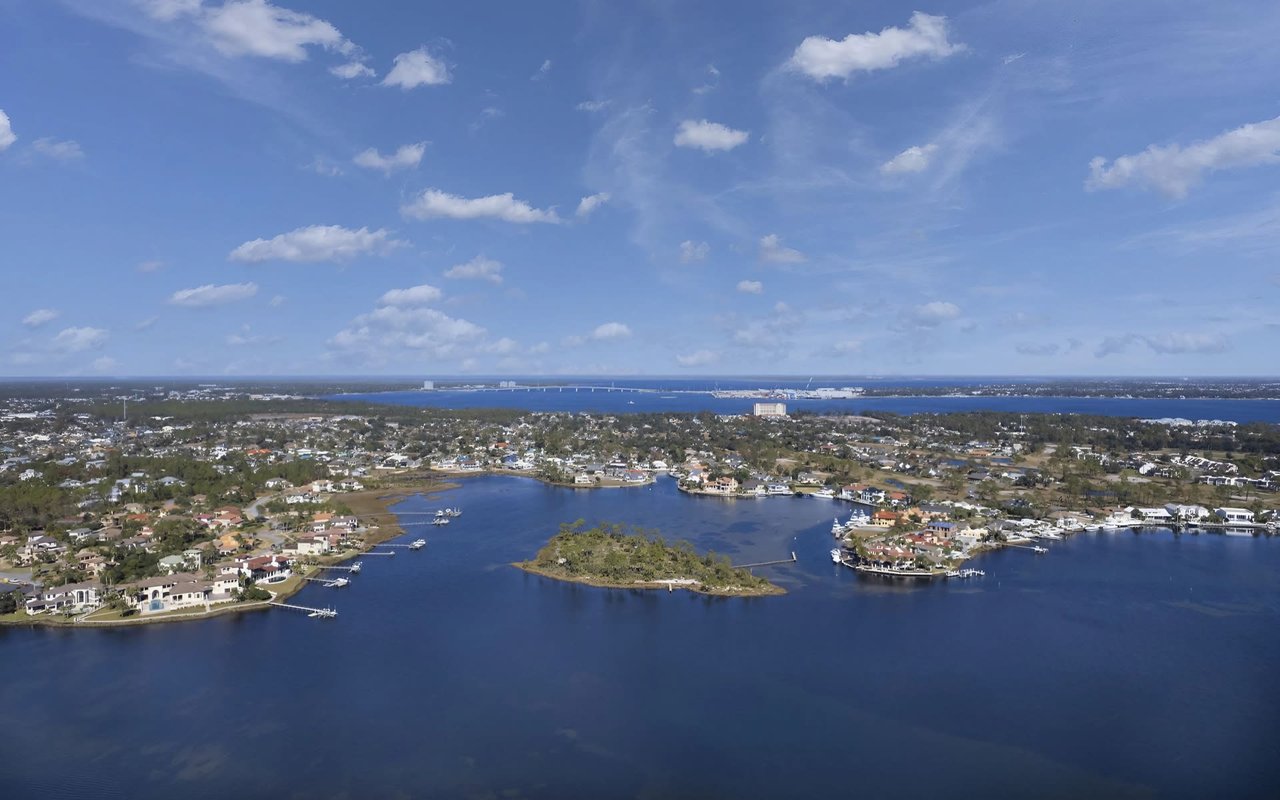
x=1117 y=665
x=625 y=402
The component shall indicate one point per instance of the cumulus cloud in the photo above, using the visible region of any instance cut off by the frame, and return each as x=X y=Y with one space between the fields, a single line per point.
x=257 y=28
x=417 y=68
x=610 y=330
x=1174 y=170
x=40 y=316
x=593 y=105
x=924 y=37
x=478 y=268
x=913 y=159
x=698 y=358
x=1164 y=343
x=421 y=295
x=591 y=202
x=419 y=329
x=708 y=136
x=750 y=287
x=352 y=70
x=75 y=340
x=1032 y=349
x=435 y=203
x=213 y=295
x=7 y=136
x=772 y=251
x=691 y=251
x=317 y=243
x=930 y=315
x=406 y=156
x=59 y=151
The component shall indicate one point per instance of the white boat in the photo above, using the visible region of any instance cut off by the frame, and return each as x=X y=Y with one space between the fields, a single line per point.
x=837 y=528
x=338 y=583
x=826 y=494
x=440 y=521
x=418 y=544
x=836 y=556
x=966 y=573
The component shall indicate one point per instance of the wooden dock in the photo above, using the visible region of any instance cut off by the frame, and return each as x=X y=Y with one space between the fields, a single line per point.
x=318 y=613
x=791 y=560
x=352 y=568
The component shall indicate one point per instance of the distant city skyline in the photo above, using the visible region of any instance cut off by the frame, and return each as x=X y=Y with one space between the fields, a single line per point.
x=235 y=188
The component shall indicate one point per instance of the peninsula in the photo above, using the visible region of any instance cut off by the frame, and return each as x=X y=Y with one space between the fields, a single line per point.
x=610 y=557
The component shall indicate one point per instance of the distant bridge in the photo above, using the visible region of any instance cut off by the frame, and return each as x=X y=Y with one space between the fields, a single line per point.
x=557 y=388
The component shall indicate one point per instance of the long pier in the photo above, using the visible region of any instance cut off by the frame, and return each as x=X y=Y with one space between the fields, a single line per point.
x=791 y=560
x=1033 y=548
x=556 y=388
x=375 y=553
x=324 y=613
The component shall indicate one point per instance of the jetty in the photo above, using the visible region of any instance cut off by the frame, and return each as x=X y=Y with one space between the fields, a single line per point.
x=417 y=544
x=319 y=613
x=768 y=563
x=380 y=553
x=1035 y=548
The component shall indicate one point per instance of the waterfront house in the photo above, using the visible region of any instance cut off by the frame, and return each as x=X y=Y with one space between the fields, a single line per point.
x=1227 y=514
x=884 y=519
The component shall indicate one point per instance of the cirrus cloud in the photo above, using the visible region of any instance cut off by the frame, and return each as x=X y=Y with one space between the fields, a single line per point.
x=913 y=159
x=750 y=287
x=213 y=295
x=40 y=316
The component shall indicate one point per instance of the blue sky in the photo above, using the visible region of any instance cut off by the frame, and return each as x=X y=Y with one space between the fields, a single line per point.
x=251 y=188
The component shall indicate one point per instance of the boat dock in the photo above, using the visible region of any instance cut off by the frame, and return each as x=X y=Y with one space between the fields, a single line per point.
x=415 y=545
x=768 y=563
x=354 y=569
x=382 y=553
x=1033 y=548
x=328 y=583
x=320 y=613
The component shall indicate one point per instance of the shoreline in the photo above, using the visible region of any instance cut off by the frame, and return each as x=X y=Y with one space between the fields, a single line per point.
x=380 y=500
x=696 y=588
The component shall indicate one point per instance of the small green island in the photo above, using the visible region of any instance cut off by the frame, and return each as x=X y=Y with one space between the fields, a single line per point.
x=614 y=556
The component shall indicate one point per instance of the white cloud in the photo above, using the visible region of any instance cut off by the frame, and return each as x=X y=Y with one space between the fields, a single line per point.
x=406 y=156
x=610 y=330
x=418 y=329
x=317 y=243
x=771 y=250
x=211 y=295
x=40 y=317
x=61 y=151
x=257 y=28
x=417 y=68
x=708 y=136
x=542 y=71
x=691 y=251
x=913 y=159
x=924 y=37
x=591 y=202
x=421 y=295
x=277 y=301
x=593 y=105
x=170 y=9
x=698 y=358
x=1173 y=170
x=435 y=203
x=478 y=268
x=7 y=136
x=152 y=265
x=932 y=314
x=352 y=70
x=750 y=287
x=323 y=166
x=75 y=340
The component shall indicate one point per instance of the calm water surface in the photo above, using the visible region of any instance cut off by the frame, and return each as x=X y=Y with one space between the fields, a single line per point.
x=1118 y=665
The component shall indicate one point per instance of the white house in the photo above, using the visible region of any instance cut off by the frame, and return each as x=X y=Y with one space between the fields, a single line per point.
x=1234 y=514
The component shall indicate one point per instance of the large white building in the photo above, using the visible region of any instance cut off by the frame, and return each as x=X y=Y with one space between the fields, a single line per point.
x=770 y=410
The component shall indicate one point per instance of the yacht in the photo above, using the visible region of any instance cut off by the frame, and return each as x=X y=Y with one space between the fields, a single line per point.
x=440 y=521
x=418 y=544
x=836 y=556
x=824 y=493
x=837 y=529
